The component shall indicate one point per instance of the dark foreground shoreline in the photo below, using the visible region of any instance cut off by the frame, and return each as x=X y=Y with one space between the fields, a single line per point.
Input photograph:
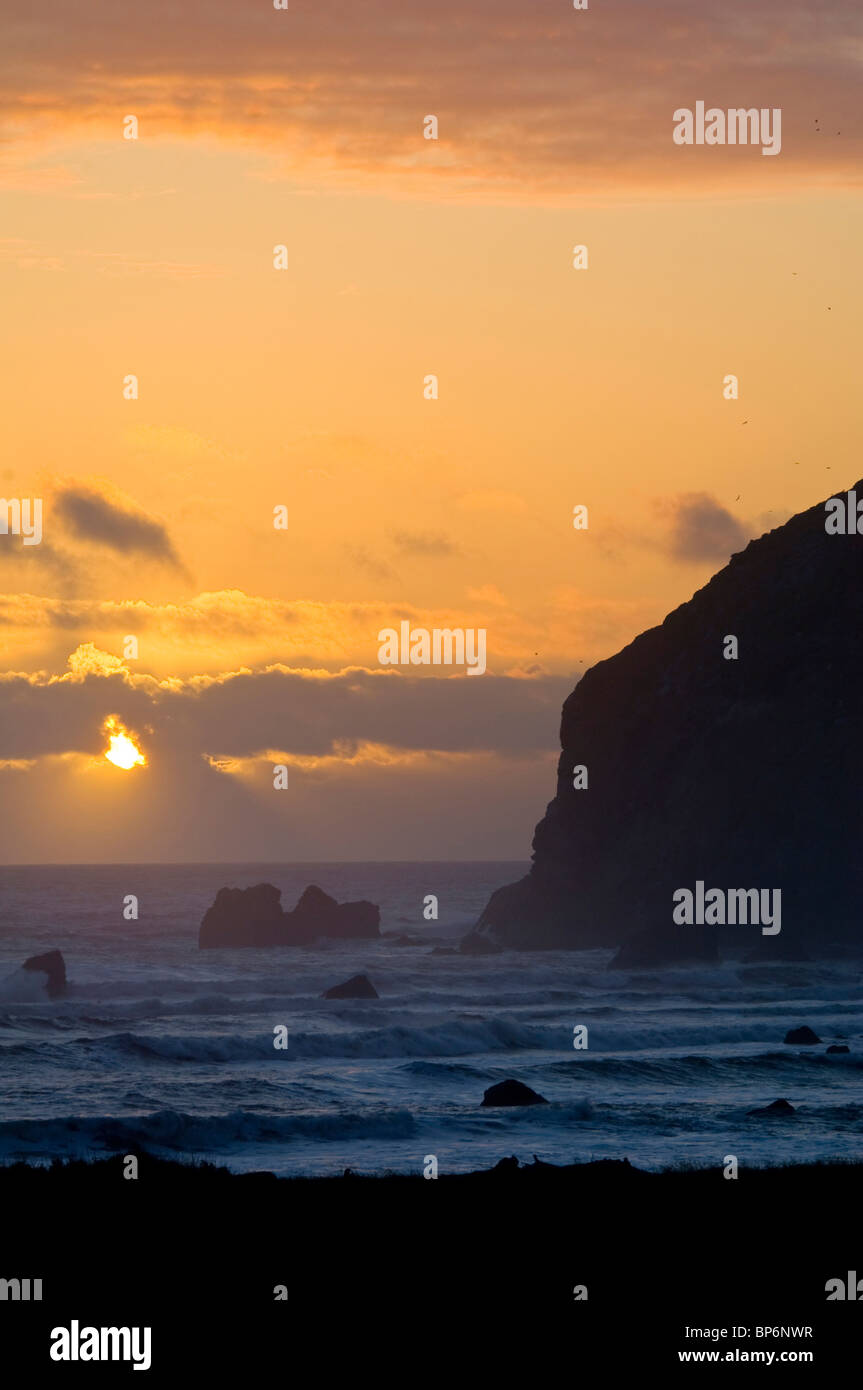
x=197 y=1253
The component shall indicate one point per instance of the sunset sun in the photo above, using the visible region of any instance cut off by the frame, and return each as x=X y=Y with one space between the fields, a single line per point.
x=122 y=750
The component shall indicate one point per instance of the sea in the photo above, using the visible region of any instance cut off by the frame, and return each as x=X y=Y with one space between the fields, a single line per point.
x=165 y=1046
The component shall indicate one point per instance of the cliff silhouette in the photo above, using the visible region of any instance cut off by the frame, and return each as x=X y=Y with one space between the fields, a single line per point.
x=741 y=773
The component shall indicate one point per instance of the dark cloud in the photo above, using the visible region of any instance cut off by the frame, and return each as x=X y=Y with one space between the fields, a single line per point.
x=530 y=96
x=428 y=544
x=373 y=565
x=702 y=529
x=91 y=516
x=46 y=566
x=250 y=713
x=183 y=809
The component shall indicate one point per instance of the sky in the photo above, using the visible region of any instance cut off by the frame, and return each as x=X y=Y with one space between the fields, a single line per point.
x=306 y=388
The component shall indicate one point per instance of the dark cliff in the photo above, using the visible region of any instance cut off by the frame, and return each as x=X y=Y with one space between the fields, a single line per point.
x=741 y=773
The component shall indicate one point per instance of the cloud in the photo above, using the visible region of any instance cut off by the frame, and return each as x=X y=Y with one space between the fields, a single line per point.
x=367 y=807
x=702 y=529
x=95 y=517
x=429 y=544
x=374 y=565
x=534 y=100
x=88 y=659
x=244 y=714
x=193 y=635
x=44 y=565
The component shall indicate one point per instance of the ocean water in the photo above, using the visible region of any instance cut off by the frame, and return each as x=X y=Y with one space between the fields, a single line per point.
x=165 y=1045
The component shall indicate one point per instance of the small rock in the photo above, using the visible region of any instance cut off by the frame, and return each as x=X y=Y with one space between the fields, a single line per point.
x=838 y=1047
x=443 y=951
x=804 y=1036
x=357 y=987
x=778 y=1107
x=512 y=1093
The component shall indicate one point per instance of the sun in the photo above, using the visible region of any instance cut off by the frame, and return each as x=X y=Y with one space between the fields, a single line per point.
x=122 y=750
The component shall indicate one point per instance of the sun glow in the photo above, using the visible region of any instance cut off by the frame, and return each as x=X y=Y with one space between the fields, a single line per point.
x=122 y=751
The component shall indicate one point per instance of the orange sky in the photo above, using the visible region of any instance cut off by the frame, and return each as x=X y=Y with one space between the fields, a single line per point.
x=304 y=387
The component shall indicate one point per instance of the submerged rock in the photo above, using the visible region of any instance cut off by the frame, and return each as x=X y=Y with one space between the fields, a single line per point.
x=777 y=1107
x=255 y=917
x=357 y=987
x=804 y=1036
x=512 y=1093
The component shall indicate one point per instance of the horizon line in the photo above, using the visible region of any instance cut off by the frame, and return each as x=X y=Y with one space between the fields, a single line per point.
x=235 y=863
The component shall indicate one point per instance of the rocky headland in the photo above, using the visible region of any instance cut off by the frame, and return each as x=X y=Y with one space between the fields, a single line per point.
x=741 y=773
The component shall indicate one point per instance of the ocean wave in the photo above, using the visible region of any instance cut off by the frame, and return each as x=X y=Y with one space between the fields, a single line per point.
x=443 y=1071
x=639 y=1045
x=457 y=1038
x=194 y=1134
x=23 y=987
x=695 y=1067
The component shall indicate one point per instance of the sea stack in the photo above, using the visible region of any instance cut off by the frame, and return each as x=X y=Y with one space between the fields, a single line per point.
x=255 y=917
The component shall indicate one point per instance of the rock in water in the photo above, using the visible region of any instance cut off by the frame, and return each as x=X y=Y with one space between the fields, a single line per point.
x=512 y=1093
x=694 y=762
x=777 y=1107
x=838 y=1047
x=357 y=987
x=244 y=917
x=255 y=917
x=804 y=1036
x=317 y=914
x=54 y=967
